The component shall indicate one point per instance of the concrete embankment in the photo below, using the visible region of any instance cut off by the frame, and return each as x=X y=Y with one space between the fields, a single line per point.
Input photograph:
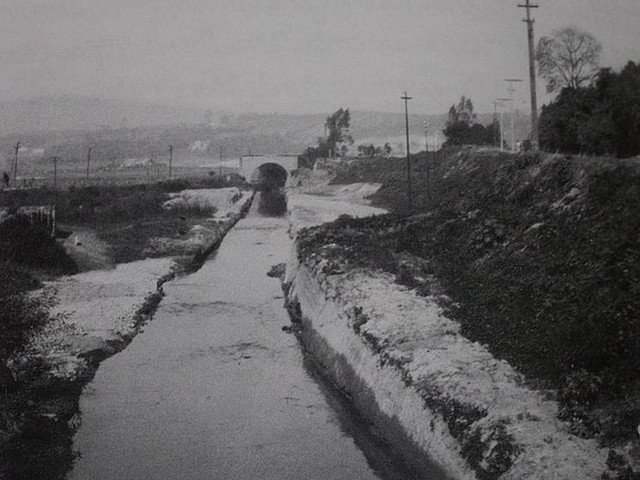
x=438 y=395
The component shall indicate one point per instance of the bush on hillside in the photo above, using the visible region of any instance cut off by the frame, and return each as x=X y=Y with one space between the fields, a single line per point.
x=600 y=119
x=20 y=315
x=25 y=243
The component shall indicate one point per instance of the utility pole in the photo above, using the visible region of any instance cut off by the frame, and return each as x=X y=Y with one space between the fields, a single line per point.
x=220 y=162
x=55 y=195
x=55 y=173
x=406 y=99
x=15 y=164
x=326 y=143
x=497 y=118
x=501 y=100
x=170 y=159
x=532 y=73
x=426 y=158
x=88 y=160
x=512 y=90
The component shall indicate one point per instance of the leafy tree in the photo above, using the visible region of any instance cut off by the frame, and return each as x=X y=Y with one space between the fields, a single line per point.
x=335 y=142
x=337 y=132
x=462 y=112
x=625 y=109
x=569 y=58
x=561 y=120
x=461 y=128
x=309 y=157
x=599 y=119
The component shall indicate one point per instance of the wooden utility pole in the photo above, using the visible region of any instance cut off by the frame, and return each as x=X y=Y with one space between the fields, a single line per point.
x=426 y=159
x=88 y=161
x=15 y=164
x=532 y=73
x=220 y=162
x=497 y=118
x=55 y=173
x=501 y=100
x=512 y=90
x=406 y=99
x=170 y=159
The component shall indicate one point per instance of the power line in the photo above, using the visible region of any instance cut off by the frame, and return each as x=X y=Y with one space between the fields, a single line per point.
x=532 y=73
x=406 y=99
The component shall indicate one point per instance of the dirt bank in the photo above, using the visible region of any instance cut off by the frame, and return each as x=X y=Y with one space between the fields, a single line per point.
x=378 y=312
x=540 y=256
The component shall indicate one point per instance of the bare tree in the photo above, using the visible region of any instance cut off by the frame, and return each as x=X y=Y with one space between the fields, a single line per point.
x=569 y=58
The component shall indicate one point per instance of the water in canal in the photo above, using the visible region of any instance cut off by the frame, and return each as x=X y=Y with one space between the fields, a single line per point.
x=214 y=389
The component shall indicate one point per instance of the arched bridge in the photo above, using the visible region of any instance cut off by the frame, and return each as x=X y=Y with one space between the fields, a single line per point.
x=274 y=171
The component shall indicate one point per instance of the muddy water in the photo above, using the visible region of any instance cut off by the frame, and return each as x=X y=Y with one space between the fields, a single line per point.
x=214 y=389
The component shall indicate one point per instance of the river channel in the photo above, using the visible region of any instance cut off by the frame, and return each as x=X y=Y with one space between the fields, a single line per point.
x=213 y=388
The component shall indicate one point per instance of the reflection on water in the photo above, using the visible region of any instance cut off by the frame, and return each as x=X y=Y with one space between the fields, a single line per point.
x=272 y=203
x=214 y=389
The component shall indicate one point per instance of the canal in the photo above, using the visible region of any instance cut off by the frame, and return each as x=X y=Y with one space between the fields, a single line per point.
x=213 y=388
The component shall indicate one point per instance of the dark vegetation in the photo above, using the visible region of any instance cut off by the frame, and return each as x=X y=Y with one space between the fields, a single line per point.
x=374 y=151
x=29 y=244
x=602 y=118
x=335 y=141
x=29 y=439
x=126 y=216
x=463 y=129
x=25 y=248
x=20 y=315
x=540 y=255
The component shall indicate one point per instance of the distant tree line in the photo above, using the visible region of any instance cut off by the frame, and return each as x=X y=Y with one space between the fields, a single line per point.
x=374 y=151
x=462 y=129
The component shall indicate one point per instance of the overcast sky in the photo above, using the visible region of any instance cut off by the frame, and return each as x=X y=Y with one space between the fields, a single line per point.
x=289 y=55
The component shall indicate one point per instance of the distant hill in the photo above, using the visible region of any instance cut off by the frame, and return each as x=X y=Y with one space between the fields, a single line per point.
x=67 y=126
x=42 y=114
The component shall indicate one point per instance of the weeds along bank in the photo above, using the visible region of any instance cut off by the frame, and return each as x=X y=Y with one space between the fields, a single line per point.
x=71 y=323
x=531 y=260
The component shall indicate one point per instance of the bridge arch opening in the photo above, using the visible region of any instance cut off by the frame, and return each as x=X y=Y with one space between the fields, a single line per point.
x=269 y=176
x=269 y=179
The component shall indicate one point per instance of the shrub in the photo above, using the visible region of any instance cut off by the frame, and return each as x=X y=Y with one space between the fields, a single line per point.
x=28 y=244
